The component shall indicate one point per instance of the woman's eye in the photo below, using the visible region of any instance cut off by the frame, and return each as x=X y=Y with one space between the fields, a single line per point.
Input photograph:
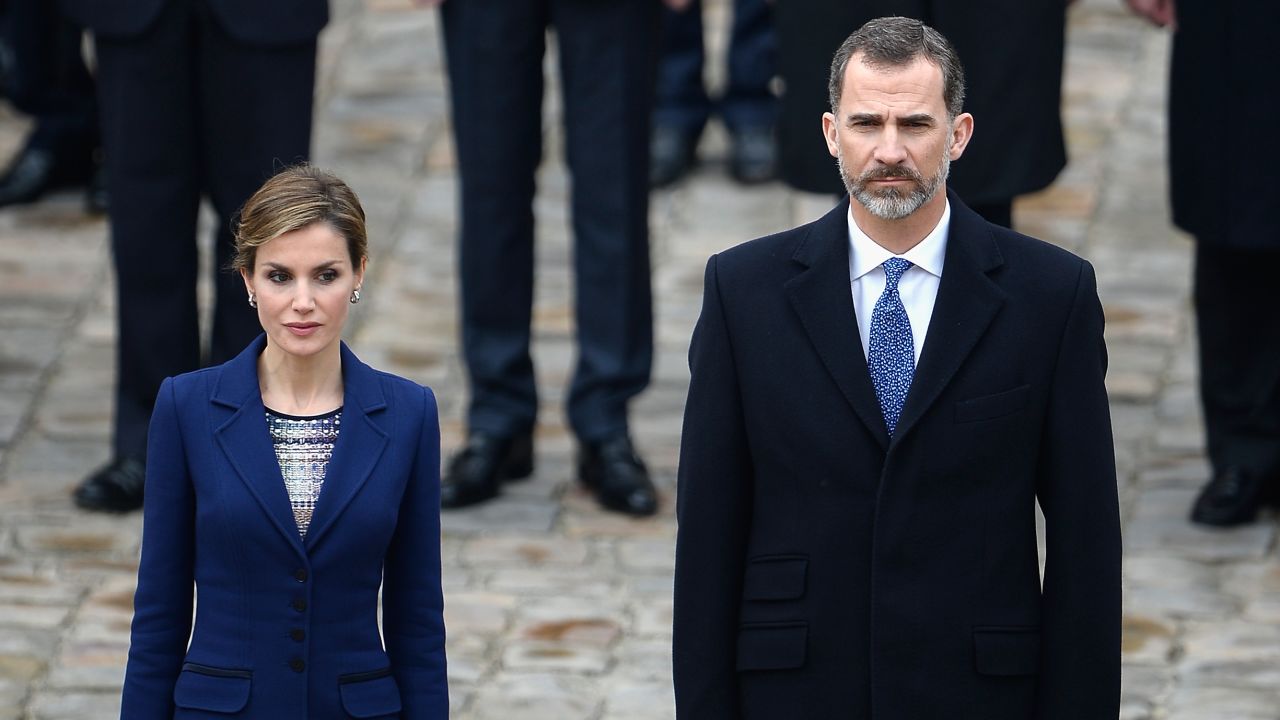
x=277 y=277
x=328 y=276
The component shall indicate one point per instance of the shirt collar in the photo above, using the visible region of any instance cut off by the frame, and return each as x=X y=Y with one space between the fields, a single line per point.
x=928 y=254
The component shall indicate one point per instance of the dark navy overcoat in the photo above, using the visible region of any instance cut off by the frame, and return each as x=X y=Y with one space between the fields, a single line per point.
x=827 y=570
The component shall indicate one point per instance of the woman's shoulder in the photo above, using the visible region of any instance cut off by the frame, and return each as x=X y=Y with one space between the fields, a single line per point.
x=404 y=390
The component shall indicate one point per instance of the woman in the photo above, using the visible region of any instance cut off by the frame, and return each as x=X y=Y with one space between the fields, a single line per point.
x=288 y=484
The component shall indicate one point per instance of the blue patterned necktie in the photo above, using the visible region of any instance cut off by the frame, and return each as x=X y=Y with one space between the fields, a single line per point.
x=891 y=354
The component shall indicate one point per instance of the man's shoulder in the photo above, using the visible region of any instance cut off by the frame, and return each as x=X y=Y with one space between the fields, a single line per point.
x=768 y=254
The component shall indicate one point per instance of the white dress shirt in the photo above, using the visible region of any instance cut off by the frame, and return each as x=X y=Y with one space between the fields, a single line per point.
x=918 y=286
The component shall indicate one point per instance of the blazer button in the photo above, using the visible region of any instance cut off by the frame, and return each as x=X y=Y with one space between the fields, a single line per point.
x=300 y=575
x=299 y=604
x=297 y=634
x=297 y=665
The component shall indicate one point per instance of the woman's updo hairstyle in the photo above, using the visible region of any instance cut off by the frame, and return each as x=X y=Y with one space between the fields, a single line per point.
x=298 y=196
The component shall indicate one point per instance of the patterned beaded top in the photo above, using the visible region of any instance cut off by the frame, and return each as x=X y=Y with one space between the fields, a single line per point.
x=303 y=448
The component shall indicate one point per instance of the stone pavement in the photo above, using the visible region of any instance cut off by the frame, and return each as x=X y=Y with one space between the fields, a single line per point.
x=556 y=610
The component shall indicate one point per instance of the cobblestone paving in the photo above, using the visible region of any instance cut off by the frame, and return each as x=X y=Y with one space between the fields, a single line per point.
x=556 y=610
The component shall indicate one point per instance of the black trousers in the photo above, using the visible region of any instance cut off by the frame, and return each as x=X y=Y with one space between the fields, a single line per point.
x=1237 y=302
x=607 y=56
x=187 y=111
x=47 y=79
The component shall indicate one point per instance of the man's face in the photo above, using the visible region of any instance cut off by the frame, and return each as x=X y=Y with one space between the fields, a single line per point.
x=892 y=138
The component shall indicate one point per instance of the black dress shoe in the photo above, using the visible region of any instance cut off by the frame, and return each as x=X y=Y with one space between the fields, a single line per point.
x=1232 y=497
x=672 y=154
x=115 y=487
x=754 y=157
x=35 y=172
x=477 y=472
x=613 y=471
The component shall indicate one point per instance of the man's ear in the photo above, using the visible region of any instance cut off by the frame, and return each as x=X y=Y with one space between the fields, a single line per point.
x=961 y=133
x=829 y=131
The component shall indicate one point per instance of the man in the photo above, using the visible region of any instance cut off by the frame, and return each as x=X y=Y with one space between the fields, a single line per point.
x=494 y=50
x=747 y=106
x=857 y=530
x=197 y=97
x=1223 y=58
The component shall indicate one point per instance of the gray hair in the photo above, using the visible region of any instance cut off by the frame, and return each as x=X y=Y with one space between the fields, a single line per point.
x=894 y=42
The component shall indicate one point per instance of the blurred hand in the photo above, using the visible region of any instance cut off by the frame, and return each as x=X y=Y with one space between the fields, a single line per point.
x=1160 y=12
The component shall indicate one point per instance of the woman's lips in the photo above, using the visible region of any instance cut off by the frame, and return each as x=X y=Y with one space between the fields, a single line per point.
x=302 y=329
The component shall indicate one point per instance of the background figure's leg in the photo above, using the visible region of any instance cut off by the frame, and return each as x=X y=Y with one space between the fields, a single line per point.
x=147 y=98
x=753 y=48
x=1239 y=357
x=607 y=59
x=47 y=79
x=255 y=118
x=681 y=106
x=494 y=54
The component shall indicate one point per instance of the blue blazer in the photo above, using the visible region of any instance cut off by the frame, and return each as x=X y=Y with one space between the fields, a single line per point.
x=284 y=628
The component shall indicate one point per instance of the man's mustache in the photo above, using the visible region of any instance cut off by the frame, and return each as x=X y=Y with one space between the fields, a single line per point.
x=891 y=172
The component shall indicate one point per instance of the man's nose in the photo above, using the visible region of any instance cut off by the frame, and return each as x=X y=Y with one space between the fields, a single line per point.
x=890 y=150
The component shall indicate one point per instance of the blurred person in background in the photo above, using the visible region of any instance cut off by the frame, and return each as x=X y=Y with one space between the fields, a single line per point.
x=198 y=98
x=288 y=485
x=1223 y=60
x=607 y=52
x=747 y=106
x=43 y=73
x=1015 y=86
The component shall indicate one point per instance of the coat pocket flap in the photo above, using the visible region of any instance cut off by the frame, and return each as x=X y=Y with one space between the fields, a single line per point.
x=989 y=407
x=1006 y=650
x=369 y=695
x=772 y=646
x=775 y=577
x=201 y=687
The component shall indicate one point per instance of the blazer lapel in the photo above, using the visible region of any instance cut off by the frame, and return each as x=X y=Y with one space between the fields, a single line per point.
x=967 y=302
x=361 y=442
x=822 y=298
x=246 y=442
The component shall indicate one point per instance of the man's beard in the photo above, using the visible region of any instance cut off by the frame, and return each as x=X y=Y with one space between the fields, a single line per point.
x=891 y=203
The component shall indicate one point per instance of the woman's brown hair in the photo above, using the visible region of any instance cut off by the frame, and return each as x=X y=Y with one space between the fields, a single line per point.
x=296 y=197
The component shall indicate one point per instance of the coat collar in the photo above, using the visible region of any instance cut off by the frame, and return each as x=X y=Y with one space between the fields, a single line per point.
x=967 y=301
x=244 y=438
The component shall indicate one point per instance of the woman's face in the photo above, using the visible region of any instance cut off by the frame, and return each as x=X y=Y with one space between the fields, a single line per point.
x=303 y=281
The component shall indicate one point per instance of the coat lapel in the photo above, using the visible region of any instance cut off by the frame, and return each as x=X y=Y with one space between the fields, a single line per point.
x=361 y=442
x=967 y=302
x=246 y=442
x=822 y=298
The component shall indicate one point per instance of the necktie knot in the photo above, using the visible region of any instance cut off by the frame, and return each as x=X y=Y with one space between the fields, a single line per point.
x=893 y=270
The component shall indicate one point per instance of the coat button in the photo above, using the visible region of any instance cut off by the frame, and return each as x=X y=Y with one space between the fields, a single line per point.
x=299 y=604
x=297 y=634
x=297 y=665
x=300 y=575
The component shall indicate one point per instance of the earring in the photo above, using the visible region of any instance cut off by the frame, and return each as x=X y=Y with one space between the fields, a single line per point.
x=253 y=300
x=355 y=296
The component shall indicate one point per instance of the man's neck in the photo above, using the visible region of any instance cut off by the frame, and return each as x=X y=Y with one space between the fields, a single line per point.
x=899 y=236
